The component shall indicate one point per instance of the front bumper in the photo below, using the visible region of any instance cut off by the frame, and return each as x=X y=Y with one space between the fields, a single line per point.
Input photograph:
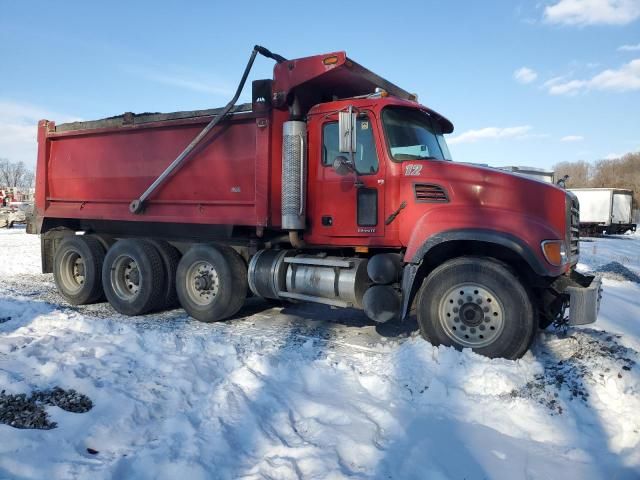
x=584 y=292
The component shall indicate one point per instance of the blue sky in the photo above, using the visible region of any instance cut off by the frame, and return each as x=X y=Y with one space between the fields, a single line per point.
x=525 y=83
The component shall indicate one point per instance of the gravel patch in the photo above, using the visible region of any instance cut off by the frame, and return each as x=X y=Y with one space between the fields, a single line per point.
x=22 y=411
x=574 y=363
x=617 y=271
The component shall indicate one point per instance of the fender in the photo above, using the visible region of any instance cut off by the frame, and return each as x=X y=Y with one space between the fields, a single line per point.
x=503 y=239
x=509 y=227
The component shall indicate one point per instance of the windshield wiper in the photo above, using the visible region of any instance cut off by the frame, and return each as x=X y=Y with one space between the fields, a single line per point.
x=409 y=156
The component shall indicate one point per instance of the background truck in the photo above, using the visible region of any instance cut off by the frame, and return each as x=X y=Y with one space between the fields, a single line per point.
x=605 y=210
x=332 y=186
x=541 y=174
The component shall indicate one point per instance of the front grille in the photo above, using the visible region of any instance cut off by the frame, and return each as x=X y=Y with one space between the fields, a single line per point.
x=573 y=223
x=426 y=192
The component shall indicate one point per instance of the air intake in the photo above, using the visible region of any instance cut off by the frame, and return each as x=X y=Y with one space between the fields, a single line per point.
x=429 y=193
x=294 y=136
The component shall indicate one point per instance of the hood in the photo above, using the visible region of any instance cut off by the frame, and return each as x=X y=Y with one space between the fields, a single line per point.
x=488 y=192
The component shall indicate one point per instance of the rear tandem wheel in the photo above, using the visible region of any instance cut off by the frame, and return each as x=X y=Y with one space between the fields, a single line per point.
x=211 y=282
x=77 y=269
x=134 y=277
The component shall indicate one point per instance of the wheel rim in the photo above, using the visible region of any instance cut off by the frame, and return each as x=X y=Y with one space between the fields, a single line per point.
x=202 y=283
x=72 y=271
x=471 y=315
x=126 y=277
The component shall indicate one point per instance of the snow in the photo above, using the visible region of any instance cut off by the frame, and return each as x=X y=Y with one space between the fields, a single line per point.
x=309 y=392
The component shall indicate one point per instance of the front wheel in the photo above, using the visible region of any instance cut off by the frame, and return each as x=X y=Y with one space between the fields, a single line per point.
x=477 y=303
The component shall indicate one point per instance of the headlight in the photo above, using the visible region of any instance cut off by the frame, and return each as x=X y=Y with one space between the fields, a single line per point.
x=555 y=251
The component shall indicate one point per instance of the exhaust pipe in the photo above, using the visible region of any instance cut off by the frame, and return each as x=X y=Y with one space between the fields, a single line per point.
x=294 y=175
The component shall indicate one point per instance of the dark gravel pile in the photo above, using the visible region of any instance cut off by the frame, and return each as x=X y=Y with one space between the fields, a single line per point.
x=594 y=356
x=617 y=271
x=22 y=411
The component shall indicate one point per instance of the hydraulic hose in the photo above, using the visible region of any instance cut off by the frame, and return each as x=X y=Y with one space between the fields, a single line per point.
x=137 y=206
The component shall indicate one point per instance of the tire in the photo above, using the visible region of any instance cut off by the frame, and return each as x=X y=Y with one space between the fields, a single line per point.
x=170 y=259
x=77 y=269
x=240 y=277
x=478 y=303
x=133 y=277
x=106 y=240
x=211 y=282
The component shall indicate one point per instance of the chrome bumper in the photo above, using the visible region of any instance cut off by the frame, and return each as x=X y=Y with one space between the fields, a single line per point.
x=585 y=292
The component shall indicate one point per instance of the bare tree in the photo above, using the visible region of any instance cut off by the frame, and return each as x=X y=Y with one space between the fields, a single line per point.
x=15 y=174
x=623 y=172
x=579 y=173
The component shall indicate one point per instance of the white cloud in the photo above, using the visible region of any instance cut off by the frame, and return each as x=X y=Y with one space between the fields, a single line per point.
x=572 y=138
x=491 y=133
x=555 y=81
x=567 y=88
x=525 y=75
x=629 y=48
x=18 y=129
x=175 y=76
x=613 y=156
x=624 y=79
x=593 y=12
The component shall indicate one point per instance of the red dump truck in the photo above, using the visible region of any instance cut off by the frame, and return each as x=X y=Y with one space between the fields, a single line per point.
x=332 y=186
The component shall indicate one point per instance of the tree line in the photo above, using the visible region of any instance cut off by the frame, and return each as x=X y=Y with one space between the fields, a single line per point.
x=623 y=172
x=15 y=174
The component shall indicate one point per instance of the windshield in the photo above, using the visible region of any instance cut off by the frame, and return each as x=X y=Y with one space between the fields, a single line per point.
x=413 y=135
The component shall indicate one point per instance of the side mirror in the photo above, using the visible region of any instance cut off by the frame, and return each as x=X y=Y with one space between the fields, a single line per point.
x=347 y=131
x=342 y=165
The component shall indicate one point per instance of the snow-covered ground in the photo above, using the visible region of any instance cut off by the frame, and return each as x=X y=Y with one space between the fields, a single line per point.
x=309 y=392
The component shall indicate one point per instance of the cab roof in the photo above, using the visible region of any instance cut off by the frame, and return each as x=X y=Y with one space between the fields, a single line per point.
x=334 y=76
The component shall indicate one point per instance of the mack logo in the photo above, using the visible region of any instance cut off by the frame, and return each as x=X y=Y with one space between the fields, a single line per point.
x=366 y=230
x=412 y=170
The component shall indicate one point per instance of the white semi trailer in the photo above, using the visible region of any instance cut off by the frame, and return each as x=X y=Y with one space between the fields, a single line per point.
x=541 y=174
x=605 y=210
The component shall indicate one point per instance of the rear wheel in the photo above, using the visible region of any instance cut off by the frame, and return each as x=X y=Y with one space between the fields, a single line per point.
x=77 y=269
x=170 y=259
x=476 y=303
x=211 y=282
x=134 y=278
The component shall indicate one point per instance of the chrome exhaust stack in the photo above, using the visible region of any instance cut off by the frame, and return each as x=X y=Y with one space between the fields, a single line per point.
x=294 y=174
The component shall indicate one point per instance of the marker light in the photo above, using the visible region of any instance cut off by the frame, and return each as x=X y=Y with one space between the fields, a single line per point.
x=332 y=60
x=555 y=251
x=381 y=92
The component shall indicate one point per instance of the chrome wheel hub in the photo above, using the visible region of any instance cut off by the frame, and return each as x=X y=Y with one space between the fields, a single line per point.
x=202 y=283
x=125 y=277
x=471 y=315
x=72 y=271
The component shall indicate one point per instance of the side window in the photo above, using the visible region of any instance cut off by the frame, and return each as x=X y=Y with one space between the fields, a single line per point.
x=366 y=157
x=330 y=143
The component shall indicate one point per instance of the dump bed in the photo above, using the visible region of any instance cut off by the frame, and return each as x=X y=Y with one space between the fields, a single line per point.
x=94 y=169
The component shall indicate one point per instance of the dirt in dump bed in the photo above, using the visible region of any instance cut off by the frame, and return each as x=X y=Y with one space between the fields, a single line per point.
x=129 y=118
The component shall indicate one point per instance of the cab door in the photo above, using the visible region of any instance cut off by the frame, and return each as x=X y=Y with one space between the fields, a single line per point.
x=350 y=205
